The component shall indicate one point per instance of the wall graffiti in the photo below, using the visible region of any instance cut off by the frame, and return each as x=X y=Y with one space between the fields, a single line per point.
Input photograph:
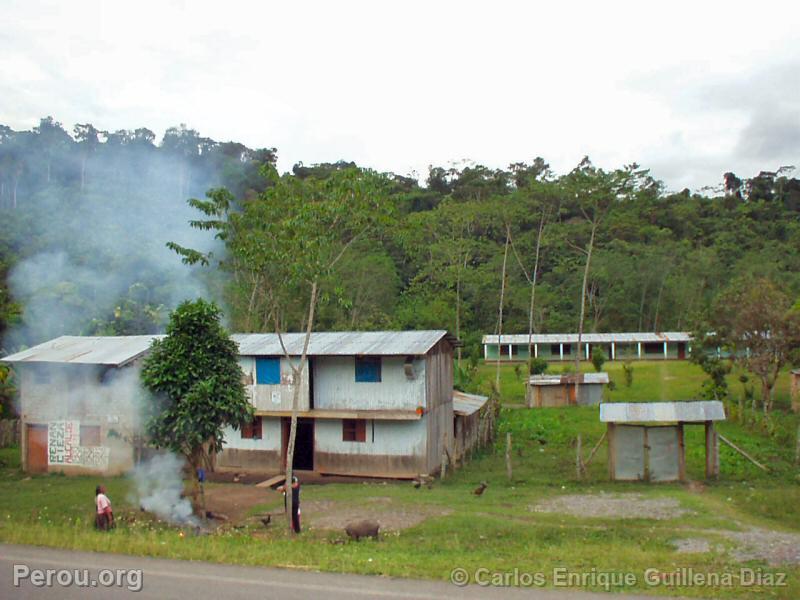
x=64 y=447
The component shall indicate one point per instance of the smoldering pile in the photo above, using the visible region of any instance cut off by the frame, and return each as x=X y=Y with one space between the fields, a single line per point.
x=159 y=490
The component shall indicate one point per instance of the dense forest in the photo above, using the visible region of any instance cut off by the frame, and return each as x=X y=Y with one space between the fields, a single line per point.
x=86 y=216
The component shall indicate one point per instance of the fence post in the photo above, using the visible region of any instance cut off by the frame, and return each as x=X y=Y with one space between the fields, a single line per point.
x=508 y=455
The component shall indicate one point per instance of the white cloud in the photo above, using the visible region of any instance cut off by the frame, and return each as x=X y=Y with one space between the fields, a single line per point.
x=399 y=86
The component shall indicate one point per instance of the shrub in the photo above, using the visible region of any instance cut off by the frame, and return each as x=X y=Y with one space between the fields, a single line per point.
x=627 y=369
x=537 y=366
x=598 y=359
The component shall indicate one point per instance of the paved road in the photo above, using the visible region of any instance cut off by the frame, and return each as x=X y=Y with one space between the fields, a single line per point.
x=188 y=580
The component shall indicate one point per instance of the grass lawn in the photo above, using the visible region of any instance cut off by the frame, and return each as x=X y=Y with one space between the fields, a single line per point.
x=501 y=530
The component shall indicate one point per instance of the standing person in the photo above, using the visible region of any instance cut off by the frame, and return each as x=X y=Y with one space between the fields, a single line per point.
x=105 y=516
x=295 y=502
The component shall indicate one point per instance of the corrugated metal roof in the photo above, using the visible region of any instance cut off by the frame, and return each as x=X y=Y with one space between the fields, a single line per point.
x=591 y=338
x=466 y=404
x=343 y=343
x=662 y=412
x=118 y=350
x=85 y=350
x=586 y=378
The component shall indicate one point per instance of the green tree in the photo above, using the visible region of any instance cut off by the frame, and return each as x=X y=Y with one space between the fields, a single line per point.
x=289 y=241
x=756 y=322
x=195 y=378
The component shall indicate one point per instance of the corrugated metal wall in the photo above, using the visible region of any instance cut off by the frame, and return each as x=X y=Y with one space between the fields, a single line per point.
x=273 y=397
x=335 y=385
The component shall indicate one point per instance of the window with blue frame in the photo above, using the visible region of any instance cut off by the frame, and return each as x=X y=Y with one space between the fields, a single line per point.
x=268 y=371
x=368 y=369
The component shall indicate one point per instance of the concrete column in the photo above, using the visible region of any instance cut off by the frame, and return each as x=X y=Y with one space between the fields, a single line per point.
x=587 y=351
x=485 y=351
x=536 y=350
x=613 y=351
x=666 y=354
x=561 y=351
x=639 y=349
x=510 y=355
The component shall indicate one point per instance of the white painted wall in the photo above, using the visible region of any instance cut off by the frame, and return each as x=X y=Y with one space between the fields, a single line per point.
x=270 y=437
x=264 y=397
x=395 y=438
x=335 y=385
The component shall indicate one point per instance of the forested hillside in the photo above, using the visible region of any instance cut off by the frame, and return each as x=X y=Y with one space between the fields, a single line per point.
x=85 y=217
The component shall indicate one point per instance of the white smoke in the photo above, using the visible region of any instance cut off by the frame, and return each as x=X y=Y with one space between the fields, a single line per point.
x=159 y=485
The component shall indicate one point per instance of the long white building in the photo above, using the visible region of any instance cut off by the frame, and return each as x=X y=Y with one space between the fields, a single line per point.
x=564 y=346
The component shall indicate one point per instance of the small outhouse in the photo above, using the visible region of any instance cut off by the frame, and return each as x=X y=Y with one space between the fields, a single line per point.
x=583 y=389
x=646 y=441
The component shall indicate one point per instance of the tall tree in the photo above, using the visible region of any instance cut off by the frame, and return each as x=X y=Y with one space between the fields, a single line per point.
x=757 y=323
x=291 y=238
x=196 y=381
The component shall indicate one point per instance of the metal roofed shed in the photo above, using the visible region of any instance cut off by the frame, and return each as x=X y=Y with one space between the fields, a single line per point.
x=583 y=389
x=467 y=422
x=82 y=350
x=345 y=343
x=646 y=440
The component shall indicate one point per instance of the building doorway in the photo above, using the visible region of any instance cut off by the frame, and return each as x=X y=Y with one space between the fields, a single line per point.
x=682 y=350
x=303 y=446
x=36 y=457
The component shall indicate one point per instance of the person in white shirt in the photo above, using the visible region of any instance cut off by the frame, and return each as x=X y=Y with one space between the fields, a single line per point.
x=105 y=516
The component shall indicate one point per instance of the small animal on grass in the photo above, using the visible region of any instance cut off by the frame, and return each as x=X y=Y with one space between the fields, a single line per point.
x=266 y=520
x=479 y=490
x=361 y=529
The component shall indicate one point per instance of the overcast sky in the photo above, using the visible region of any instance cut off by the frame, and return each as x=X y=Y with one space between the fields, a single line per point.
x=690 y=90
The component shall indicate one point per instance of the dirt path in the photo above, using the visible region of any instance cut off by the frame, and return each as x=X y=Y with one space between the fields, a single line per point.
x=326 y=514
x=616 y=506
x=235 y=500
x=751 y=543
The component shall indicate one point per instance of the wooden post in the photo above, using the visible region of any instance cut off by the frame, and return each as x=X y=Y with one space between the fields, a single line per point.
x=445 y=456
x=681 y=454
x=712 y=451
x=797 y=448
x=508 y=456
x=742 y=452
x=578 y=469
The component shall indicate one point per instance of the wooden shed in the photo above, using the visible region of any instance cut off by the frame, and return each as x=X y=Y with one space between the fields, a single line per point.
x=467 y=422
x=646 y=441
x=583 y=389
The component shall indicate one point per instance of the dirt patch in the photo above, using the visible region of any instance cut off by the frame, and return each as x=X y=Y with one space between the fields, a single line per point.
x=327 y=514
x=774 y=547
x=235 y=500
x=616 y=506
x=692 y=545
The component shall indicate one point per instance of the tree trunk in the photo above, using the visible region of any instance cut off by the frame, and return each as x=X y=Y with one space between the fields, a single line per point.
x=458 y=310
x=297 y=373
x=583 y=307
x=500 y=311
x=766 y=392
x=14 y=193
x=533 y=292
x=195 y=458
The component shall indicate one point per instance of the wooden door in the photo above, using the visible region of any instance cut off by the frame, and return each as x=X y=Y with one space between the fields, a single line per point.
x=36 y=457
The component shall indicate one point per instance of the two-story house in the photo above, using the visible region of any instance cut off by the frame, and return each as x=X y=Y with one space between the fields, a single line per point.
x=371 y=403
